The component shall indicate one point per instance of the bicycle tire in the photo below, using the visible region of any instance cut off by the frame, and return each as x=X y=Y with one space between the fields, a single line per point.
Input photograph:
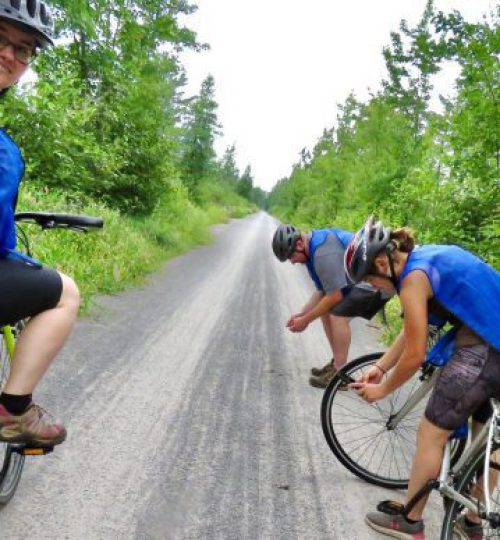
x=12 y=462
x=463 y=484
x=356 y=430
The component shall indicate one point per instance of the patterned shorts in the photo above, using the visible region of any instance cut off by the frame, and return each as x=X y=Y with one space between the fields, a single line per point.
x=464 y=386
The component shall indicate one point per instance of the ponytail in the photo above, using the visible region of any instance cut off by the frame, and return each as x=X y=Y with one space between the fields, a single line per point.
x=404 y=239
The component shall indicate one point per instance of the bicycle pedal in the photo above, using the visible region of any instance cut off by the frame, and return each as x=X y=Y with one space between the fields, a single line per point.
x=393 y=508
x=34 y=450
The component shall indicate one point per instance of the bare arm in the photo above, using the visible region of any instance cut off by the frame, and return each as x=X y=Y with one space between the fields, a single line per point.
x=408 y=351
x=393 y=353
x=313 y=301
x=326 y=303
x=415 y=293
x=386 y=362
x=299 y=322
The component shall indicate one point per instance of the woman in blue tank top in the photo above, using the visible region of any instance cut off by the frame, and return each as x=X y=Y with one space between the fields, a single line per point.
x=456 y=286
x=27 y=289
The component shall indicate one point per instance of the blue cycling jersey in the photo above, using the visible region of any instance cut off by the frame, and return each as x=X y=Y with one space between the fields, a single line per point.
x=11 y=172
x=318 y=238
x=464 y=284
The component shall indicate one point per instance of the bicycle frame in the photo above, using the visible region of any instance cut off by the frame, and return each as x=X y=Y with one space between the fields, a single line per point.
x=437 y=357
x=415 y=398
x=447 y=474
x=445 y=484
x=8 y=336
x=487 y=434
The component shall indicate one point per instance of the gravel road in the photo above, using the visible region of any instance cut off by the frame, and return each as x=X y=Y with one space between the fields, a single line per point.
x=189 y=413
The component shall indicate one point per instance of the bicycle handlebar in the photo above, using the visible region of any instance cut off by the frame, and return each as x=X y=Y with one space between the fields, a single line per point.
x=48 y=220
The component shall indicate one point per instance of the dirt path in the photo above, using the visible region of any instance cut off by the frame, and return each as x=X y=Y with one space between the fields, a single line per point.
x=189 y=413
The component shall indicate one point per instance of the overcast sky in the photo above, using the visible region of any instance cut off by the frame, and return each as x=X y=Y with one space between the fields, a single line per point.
x=282 y=66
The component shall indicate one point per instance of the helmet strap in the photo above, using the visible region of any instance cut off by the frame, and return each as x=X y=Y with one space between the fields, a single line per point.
x=303 y=251
x=393 y=273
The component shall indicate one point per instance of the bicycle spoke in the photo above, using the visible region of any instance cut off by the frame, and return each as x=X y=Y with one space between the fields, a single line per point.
x=357 y=431
x=356 y=412
x=370 y=436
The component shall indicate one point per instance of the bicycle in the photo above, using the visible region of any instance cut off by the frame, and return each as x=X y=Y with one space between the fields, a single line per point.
x=377 y=441
x=460 y=484
x=12 y=456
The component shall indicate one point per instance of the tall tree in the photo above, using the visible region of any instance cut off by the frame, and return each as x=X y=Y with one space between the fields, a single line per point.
x=245 y=184
x=201 y=128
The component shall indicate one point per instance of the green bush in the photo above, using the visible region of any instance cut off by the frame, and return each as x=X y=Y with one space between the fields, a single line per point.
x=126 y=249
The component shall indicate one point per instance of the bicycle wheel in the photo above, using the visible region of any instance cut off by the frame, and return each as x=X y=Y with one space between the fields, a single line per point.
x=12 y=462
x=466 y=485
x=357 y=431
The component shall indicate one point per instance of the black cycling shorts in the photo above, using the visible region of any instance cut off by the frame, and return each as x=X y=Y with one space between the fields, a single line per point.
x=464 y=387
x=361 y=300
x=26 y=290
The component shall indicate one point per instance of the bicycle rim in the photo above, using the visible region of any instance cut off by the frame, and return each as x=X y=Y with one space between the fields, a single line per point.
x=11 y=462
x=465 y=486
x=357 y=432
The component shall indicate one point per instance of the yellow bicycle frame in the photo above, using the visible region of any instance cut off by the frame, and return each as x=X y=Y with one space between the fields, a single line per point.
x=8 y=336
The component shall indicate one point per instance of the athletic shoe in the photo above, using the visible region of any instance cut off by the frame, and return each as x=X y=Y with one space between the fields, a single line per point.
x=467 y=532
x=31 y=427
x=395 y=526
x=322 y=380
x=317 y=372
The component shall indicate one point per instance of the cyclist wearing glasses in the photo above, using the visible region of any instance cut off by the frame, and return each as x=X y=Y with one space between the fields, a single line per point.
x=27 y=289
x=454 y=285
x=334 y=301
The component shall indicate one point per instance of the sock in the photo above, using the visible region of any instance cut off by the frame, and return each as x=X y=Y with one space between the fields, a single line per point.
x=15 y=404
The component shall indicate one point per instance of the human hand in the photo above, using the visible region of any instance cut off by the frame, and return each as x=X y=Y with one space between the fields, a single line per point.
x=297 y=323
x=372 y=375
x=368 y=391
x=295 y=315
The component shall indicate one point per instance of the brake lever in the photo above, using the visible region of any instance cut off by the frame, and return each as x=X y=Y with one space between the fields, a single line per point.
x=48 y=224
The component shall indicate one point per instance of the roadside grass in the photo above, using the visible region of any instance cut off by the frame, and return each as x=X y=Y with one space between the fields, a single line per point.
x=393 y=323
x=127 y=248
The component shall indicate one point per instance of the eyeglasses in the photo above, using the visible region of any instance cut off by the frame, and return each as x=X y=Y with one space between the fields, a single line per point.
x=22 y=53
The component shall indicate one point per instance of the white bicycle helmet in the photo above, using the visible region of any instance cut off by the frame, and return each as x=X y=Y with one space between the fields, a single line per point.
x=32 y=14
x=366 y=244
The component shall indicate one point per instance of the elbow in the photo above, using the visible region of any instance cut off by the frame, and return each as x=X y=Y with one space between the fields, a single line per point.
x=415 y=359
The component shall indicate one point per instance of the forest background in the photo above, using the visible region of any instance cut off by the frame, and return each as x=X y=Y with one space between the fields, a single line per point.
x=394 y=157
x=107 y=130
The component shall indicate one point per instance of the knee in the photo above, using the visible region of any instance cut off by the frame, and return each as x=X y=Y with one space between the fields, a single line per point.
x=341 y=324
x=70 y=296
x=429 y=434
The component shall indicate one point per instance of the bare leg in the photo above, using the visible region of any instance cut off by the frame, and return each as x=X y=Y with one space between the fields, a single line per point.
x=325 y=319
x=41 y=340
x=341 y=330
x=426 y=465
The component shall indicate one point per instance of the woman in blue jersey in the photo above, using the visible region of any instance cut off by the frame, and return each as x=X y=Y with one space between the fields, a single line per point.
x=27 y=289
x=454 y=285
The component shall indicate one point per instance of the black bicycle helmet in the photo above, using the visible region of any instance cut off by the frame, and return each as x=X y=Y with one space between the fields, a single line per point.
x=32 y=14
x=284 y=241
x=366 y=244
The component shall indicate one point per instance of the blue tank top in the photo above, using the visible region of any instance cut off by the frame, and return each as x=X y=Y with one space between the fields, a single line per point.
x=464 y=284
x=11 y=172
x=318 y=238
